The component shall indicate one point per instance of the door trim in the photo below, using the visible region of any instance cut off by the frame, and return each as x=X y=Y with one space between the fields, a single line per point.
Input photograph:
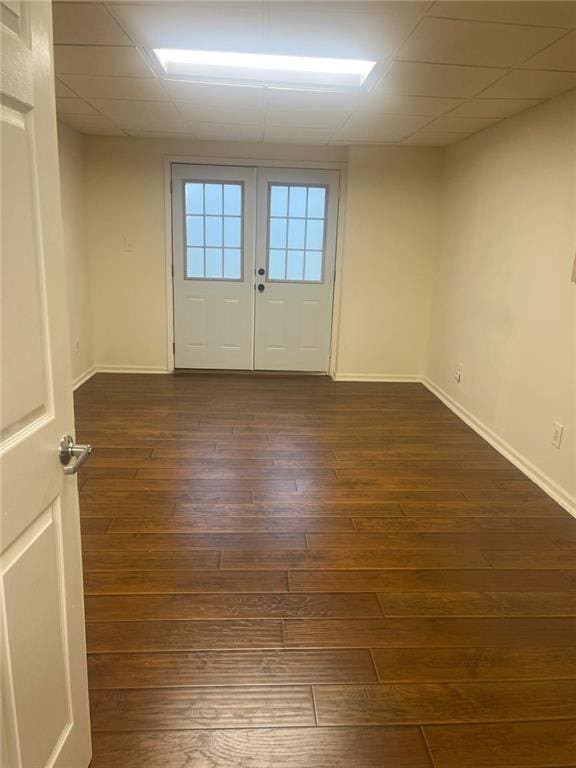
x=170 y=160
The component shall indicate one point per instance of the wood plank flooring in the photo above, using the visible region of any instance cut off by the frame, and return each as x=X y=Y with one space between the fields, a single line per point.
x=287 y=571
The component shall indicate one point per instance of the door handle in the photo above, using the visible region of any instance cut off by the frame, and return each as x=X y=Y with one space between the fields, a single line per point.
x=261 y=287
x=69 y=450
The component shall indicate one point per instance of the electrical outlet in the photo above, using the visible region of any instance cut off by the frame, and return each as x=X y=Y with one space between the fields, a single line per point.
x=459 y=373
x=557 y=434
x=77 y=346
x=128 y=244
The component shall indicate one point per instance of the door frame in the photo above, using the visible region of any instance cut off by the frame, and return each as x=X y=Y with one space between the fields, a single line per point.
x=254 y=162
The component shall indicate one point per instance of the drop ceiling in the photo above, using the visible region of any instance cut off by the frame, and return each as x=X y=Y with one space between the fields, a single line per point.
x=445 y=70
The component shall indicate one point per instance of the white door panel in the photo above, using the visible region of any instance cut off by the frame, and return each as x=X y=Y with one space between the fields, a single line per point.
x=213 y=260
x=45 y=718
x=296 y=235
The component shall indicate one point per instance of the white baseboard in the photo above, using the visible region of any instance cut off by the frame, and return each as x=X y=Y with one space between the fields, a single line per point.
x=79 y=380
x=130 y=369
x=549 y=486
x=83 y=378
x=382 y=377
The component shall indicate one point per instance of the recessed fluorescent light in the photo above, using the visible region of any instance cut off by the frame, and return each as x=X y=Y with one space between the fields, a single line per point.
x=264 y=68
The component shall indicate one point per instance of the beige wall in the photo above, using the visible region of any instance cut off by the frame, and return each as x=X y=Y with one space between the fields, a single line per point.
x=390 y=226
x=504 y=305
x=126 y=201
x=72 y=170
x=390 y=242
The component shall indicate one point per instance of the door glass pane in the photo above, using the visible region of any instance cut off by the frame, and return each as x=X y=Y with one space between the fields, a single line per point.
x=214 y=262
x=213 y=216
x=278 y=229
x=315 y=234
x=213 y=230
x=232 y=268
x=232 y=199
x=213 y=198
x=296 y=224
x=296 y=233
x=277 y=265
x=278 y=200
x=313 y=266
x=195 y=262
x=295 y=265
x=232 y=231
x=316 y=202
x=194 y=194
x=194 y=230
x=297 y=201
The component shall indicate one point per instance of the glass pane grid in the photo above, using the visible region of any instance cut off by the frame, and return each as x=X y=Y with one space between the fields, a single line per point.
x=296 y=232
x=213 y=230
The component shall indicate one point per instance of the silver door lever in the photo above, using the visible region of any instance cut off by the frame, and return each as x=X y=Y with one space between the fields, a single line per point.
x=69 y=450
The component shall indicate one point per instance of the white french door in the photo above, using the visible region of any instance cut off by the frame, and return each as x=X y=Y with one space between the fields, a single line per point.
x=296 y=249
x=213 y=210
x=253 y=262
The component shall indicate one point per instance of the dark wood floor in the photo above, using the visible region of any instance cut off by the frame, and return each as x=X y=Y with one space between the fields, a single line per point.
x=293 y=573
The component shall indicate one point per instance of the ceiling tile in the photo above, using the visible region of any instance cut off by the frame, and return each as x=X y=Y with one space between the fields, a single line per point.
x=200 y=114
x=74 y=106
x=392 y=104
x=212 y=95
x=530 y=84
x=375 y=127
x=62 y=91
x=286 y=98
x=451 y=124
x=100 y=60
x=297 y=135
x=101 y=87
x=560 y=55
x=92 y=124
x=493 y=107
x=306 y=118
x=433 y=139
x=445 y=41
x=86 y=24
x=412 y=79
x=453 y=76
x=342 y=29
x=180 y=136
x=231 y=26
x=543 y=14
x=224 y=132
x=142 y=115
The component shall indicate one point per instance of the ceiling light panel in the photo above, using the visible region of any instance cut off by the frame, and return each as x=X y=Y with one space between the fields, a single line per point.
x=262 y=68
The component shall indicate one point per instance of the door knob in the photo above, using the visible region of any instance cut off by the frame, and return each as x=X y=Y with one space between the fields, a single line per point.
x=69 y=450
x=261 y=287
x=261 y=271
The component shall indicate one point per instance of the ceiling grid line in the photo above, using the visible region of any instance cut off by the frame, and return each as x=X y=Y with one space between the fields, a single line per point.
x=445 y=70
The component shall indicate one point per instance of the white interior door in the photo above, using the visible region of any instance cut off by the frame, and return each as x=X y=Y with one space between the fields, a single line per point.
x=296 y=234
x=45 y=720
x=213 y=215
